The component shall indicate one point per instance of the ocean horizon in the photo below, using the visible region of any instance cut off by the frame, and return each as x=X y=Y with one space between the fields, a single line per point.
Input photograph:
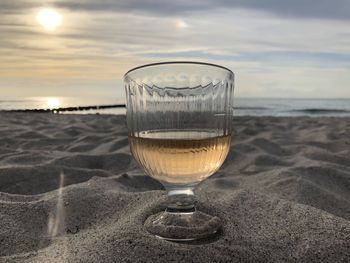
x=242 y=106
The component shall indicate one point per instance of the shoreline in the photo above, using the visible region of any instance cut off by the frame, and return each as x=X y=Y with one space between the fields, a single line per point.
x=69 y=109
x=86 y=113
x=98 y=109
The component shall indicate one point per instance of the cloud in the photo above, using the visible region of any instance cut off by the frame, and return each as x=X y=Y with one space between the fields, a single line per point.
x=337 y=9
x=270 y=49
x=294 y=58
x=8 y=7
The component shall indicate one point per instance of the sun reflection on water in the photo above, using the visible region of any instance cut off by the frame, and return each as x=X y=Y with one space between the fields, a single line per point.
x=53 y=103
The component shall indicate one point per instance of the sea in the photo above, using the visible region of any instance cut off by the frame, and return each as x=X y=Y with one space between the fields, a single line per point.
x=242 y=106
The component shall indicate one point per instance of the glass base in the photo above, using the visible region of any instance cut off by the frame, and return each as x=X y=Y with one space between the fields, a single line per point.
x=183 y=226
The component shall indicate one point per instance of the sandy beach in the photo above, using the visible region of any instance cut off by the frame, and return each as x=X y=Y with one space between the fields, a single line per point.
x=71 y=192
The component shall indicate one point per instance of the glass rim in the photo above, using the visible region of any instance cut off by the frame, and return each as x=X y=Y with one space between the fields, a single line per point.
x=178 y=62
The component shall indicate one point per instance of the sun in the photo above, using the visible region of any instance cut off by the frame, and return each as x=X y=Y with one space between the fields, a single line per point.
x=49 y=18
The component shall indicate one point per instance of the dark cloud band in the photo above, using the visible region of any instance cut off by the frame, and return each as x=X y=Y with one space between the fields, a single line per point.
x=336 y=9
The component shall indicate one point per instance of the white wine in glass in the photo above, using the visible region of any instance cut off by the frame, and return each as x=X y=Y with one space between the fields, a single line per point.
x=179 y=124
x=180 y=157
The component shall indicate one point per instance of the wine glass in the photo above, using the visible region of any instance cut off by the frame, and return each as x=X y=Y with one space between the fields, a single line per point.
x=179 y=127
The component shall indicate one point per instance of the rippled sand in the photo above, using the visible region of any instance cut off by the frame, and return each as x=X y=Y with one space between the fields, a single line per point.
x=71 y=192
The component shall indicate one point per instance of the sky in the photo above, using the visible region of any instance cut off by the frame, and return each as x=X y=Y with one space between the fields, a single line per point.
x=288 y=49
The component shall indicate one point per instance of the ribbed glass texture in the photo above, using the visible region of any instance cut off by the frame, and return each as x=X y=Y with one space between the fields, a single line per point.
x=179 y=119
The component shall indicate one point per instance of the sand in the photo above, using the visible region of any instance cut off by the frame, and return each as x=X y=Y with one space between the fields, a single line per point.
x=71 y=192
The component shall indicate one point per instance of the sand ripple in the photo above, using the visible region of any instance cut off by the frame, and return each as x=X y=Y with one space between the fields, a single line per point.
x=71 y=192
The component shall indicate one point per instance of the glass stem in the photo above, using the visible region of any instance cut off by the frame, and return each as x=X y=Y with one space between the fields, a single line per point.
x=180 y=199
